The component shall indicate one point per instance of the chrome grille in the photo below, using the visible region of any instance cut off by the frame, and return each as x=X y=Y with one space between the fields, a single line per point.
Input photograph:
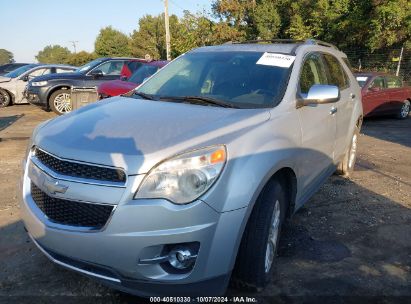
x=79 y=170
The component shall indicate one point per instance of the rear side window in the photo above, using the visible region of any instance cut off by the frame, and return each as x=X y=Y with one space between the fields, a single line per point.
x=312 y=73
x=393 y=82
x=336 y=74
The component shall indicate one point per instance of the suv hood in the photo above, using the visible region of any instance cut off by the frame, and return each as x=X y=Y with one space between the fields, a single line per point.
x=59 y=76
x=4 y=79
x=136 y=134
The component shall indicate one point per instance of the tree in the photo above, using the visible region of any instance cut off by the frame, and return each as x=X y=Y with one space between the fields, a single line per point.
x=193 y=31
x=368 y=24
x=80 y=58
x=150 y=36
x=6 y=56
x=111 y=42
x=53 y=54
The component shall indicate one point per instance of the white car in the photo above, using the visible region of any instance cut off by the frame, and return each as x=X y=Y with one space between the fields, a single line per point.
x=13 y=84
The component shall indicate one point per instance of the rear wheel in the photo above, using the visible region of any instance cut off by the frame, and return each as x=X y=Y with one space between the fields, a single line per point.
x=258 y=249
x=4 y=99
x=346 y=167
x=60 y=102
x=404 y=110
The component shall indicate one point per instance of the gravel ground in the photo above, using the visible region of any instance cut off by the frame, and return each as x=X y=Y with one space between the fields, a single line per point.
x=350 y=243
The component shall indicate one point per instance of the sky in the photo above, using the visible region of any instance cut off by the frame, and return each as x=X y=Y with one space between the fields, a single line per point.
x=27 y=26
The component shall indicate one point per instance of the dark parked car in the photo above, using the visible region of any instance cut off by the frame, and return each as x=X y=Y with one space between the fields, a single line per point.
x=8 y=67
x=53 y=91
x=384 y=94
x=122 y=86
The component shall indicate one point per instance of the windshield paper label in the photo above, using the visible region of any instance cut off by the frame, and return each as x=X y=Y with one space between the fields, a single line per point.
x=278 y=60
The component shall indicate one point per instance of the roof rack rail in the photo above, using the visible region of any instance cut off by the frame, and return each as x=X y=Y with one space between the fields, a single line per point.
x=268 y=41
x=319 y=42
x=300 y=41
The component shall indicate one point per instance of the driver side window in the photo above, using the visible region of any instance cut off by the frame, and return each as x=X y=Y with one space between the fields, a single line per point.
x=378 y=83
x=113 y=67
x=39 y=72
x=312 y=73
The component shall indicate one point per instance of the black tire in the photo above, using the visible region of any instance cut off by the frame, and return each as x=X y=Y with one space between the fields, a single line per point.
x=250 y=269
x=5 y=99
x=404 y=111
x=346 y=166
x=53 y=101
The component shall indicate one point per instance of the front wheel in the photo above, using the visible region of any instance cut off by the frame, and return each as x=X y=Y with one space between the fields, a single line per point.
x=346 y=167
x=258 y=249
x=60 y=102
x=4 y=99
x=404 y=110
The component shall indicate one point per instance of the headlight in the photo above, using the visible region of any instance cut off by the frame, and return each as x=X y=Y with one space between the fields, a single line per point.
x=185 y=177
x=38 y=83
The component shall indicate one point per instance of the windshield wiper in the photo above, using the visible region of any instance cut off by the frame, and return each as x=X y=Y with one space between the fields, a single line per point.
x=144 y=95
x=201 y=100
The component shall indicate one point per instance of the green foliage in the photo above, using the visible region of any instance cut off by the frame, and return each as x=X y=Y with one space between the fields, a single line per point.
x=80 y=58
x=150 y=38
x=363 y=24
x=6 y=56
x=193 y=31
x=111 y=42
x=370 y=24
x=53 y=54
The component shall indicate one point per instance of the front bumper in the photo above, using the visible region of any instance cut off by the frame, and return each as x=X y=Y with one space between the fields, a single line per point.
x=37 y=95
x=139 y=229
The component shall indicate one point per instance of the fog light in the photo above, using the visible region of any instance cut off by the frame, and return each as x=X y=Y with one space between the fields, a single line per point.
x=181 y=258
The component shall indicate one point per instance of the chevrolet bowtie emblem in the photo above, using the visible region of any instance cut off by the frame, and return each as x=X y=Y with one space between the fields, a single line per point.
x=54 y=186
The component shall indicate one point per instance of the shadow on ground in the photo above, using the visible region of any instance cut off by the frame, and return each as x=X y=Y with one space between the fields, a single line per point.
x=8 y=121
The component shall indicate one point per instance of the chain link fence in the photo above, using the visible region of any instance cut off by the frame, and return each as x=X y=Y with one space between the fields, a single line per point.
x=386 y=60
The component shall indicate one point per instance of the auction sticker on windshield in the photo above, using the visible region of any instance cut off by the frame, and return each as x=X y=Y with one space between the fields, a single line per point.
x=279 y=60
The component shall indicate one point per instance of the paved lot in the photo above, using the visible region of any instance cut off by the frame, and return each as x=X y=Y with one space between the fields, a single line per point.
x=353 y=238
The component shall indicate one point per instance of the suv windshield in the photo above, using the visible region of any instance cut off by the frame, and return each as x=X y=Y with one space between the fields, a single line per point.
x=89 y=65
x=234 y=78
x=19 y=71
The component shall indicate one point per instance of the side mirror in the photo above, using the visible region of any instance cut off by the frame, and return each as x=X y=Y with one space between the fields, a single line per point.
x=97 y=73
x=123 y=78
x=25 y=78
x=320 y=94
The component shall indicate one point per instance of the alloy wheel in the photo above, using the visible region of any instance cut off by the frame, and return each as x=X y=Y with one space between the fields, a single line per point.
x=405 y=109
x=272 y=237
x=62 y=102
x=353 y=151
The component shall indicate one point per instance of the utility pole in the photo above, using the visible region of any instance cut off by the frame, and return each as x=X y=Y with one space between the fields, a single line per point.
x=399 y=62
x=74 y=46
x=167 y=24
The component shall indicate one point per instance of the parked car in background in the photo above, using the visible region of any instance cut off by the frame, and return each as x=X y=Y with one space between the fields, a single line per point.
x=13 y=84
x=53 y=91
x=117 y=87
x=384 y=94
x=8 y=67
x=188 y=180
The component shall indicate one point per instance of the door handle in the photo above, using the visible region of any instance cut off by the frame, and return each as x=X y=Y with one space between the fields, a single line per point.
x=333 y=110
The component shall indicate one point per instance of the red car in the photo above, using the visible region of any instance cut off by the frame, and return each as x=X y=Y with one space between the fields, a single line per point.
x=384 y=94
x=143 y=70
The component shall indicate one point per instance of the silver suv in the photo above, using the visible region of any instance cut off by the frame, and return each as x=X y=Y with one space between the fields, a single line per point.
x=186 y=182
